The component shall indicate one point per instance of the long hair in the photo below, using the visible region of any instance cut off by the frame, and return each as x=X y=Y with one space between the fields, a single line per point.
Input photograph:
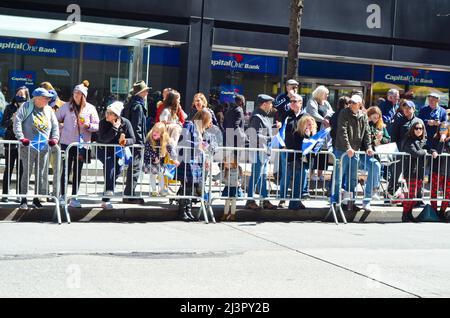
x=163 y=139
x=301 y=125
x=375 y=110
x=74 y=106
x=202 y=119
x=442 y=127
x=172 y=104
x=411 y=133
x=202 y=98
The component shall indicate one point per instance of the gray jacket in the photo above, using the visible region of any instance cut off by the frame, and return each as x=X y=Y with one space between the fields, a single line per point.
x=312 y=109
x=262 y=125
x=30 y=121
x=352 y=131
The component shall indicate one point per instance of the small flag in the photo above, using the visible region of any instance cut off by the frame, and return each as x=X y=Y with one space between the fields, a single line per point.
x=278 y=139
x=124 y=154
x=40 y=142
x=315 y=143
x=169 y=171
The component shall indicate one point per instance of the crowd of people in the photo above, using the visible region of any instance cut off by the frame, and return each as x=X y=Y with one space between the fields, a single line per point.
x=164 y=135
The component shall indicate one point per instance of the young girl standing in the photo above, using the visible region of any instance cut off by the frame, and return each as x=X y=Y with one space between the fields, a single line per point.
x=232 y=176
x=157 y=149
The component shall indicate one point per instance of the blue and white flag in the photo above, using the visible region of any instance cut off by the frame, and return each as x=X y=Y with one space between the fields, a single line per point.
x=315 y=143
x=40 y=142
x=278 y=139
x=170 y=171
x=124 y=154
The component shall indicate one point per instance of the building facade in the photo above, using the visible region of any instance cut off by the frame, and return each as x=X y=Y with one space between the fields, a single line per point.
x=223 y=47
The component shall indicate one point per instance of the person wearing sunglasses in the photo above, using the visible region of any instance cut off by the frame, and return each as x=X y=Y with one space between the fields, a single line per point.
x=400 y=129
x=413 y=167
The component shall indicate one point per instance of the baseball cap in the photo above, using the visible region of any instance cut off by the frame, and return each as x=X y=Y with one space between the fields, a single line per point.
x=356 y=99
x=409 y=103
x=435 y=95
x=38 y=92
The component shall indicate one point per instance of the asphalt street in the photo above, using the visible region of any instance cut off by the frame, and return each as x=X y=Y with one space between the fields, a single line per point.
x=174 y=259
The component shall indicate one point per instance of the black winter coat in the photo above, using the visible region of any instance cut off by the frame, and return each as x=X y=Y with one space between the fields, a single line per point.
x=414 y=165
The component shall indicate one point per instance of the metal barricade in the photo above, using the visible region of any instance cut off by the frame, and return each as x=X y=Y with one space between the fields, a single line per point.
x=116 y=172
x=32 y=169
x=400 y=178
x=254 y=174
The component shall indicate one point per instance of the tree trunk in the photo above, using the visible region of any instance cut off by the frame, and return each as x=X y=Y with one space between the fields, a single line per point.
x=294 y=38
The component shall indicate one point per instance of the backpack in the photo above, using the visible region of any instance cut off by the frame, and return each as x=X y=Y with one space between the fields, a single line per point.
x=428 y=214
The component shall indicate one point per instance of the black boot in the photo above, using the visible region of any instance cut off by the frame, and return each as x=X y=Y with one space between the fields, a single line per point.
x=188 y=212
x=182 y=211
x=408 y=217
x=442 y=216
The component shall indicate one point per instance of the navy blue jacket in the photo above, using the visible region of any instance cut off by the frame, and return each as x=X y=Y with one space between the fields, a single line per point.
x=136 y=113
x=234 y=120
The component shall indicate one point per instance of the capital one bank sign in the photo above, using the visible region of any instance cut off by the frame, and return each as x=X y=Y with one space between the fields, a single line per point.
x=244 y=63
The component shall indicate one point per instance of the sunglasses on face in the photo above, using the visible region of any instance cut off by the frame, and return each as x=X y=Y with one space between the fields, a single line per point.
x=418 y=128
x=295 y=101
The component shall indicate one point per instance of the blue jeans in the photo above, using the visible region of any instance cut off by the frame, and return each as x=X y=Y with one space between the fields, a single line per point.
x=373 y=168
x=111 y=167
x=349 y=175
x=300 y=176
x=284 y=183
x=259 y=178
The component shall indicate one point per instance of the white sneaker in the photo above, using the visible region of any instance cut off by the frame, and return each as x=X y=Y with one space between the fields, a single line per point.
x=366 y=207
x=74 y=203
x=164 y=192
x=107 y=205
x=376 y=197
x=109 y=194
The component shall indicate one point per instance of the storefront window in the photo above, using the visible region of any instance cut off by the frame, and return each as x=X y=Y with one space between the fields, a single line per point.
x=161 y=69
x=28 y=62
x=107 y=68
x=414 y=84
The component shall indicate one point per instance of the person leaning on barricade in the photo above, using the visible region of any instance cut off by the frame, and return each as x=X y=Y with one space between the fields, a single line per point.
x=352 y=135
x=159 y=149
x=260 y=130
x=400 y=130
x=413 y=166
x=36 y=127
x=113 y=130
x=79 y=120
x=11 y=151
x=297 y=167
x=440 y=178
x=191 y=154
